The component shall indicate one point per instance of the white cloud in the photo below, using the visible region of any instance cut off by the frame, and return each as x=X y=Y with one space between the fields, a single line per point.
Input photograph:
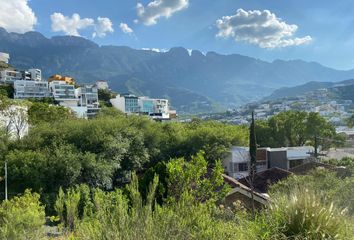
x=102 y=27
x=261 y=28
x=162 y=50
x=17 y=16
x=156 y=9
x=70 y=25
x=125 y=28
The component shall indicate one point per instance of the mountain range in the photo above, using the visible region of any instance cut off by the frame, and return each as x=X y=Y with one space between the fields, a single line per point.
x=339 y=90
x=193 y=81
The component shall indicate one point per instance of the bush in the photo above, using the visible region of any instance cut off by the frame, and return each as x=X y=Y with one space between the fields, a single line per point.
x=117 y=216
x=302 y=215
x=22 y=218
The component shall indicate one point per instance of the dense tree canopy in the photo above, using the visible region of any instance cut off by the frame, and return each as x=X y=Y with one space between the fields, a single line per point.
x=102 y=152
x=296 y=128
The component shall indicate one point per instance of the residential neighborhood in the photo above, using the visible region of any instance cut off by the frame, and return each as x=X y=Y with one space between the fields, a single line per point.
x=82 y=99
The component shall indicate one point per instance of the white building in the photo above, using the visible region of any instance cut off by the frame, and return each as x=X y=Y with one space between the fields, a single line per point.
x=34 y=74
x=102 y=85
x=236 y=163
x=161 y=109
x=157 y=109
x=118 y=102
x=4 y=57
x=8 y=76
x=87 y=96
x=63 y=93
x=30 y=89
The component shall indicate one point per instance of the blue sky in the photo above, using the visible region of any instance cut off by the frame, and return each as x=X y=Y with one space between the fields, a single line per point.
x=319 y=31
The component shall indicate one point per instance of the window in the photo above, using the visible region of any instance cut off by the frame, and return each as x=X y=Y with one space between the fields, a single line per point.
x=243 y=167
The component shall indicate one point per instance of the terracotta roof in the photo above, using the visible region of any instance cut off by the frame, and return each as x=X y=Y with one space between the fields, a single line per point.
x=266 y=178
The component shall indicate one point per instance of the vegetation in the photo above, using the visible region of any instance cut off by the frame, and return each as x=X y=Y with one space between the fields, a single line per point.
x=127 y=177
x=104 y=96
x=22 y=218
x=296 y=128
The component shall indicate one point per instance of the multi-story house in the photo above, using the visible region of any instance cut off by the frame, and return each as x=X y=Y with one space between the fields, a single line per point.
x=9 y=76
x=157 y=109
x=30 y=89
x=87 y=95
x=63 y=93
x=126 y=103
x=237 y=161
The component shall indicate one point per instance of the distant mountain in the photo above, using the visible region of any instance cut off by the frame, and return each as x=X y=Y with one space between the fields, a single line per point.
x=193 y=82
x=306 y=88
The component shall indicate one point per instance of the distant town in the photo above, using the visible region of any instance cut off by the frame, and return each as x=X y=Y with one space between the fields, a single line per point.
x=82 y=99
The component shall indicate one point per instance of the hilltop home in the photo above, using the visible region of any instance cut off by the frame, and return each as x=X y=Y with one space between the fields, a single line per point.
x=157 y=109
x=30 y=89
x=237 y=161
x=289 y=157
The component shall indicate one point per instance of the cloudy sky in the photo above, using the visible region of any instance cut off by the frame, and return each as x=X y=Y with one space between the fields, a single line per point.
x=321 y=31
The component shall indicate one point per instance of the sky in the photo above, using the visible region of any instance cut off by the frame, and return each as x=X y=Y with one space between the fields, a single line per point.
x=321 y=31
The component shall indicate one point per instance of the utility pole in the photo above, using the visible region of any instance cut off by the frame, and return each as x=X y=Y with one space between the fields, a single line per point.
x=5 y=180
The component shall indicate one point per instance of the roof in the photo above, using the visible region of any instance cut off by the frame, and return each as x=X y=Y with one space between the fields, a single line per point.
x=266 y=178
x=242 y=189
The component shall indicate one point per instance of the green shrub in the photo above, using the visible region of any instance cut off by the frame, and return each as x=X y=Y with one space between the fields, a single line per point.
x=22 y=217
x=302 y=215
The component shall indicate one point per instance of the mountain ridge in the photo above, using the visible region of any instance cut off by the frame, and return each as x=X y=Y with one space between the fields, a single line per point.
x=194 y=82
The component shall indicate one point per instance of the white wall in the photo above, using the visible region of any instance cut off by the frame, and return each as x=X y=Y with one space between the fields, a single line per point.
x=118 y=103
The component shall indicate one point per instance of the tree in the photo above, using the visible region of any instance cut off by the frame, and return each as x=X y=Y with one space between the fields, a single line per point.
x=105 y=95
x=40 y=112
x=296 y=128
x=350 y=121
x=22 y=218
x=253 y=160
x=195 y=181
x=13 y=117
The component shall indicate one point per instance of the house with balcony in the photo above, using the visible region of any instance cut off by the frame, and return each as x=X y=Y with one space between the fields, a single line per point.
x=157 y=109
x=237 y=161
x=289 y=157
x=9 y=76
x=87 y=95
x=30 y=89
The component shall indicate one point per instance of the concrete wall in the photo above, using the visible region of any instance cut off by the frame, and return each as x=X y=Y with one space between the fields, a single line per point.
x=278 y=159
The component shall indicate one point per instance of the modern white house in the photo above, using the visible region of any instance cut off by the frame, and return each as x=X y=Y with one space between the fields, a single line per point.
x=127 y=103
x=9 y=76
x=289 y=157
x=157 y=109
x=87 y=94
x=30 y=89
x=4 y=57
x=63 y=92
x=237 y=161
x=33 y=74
